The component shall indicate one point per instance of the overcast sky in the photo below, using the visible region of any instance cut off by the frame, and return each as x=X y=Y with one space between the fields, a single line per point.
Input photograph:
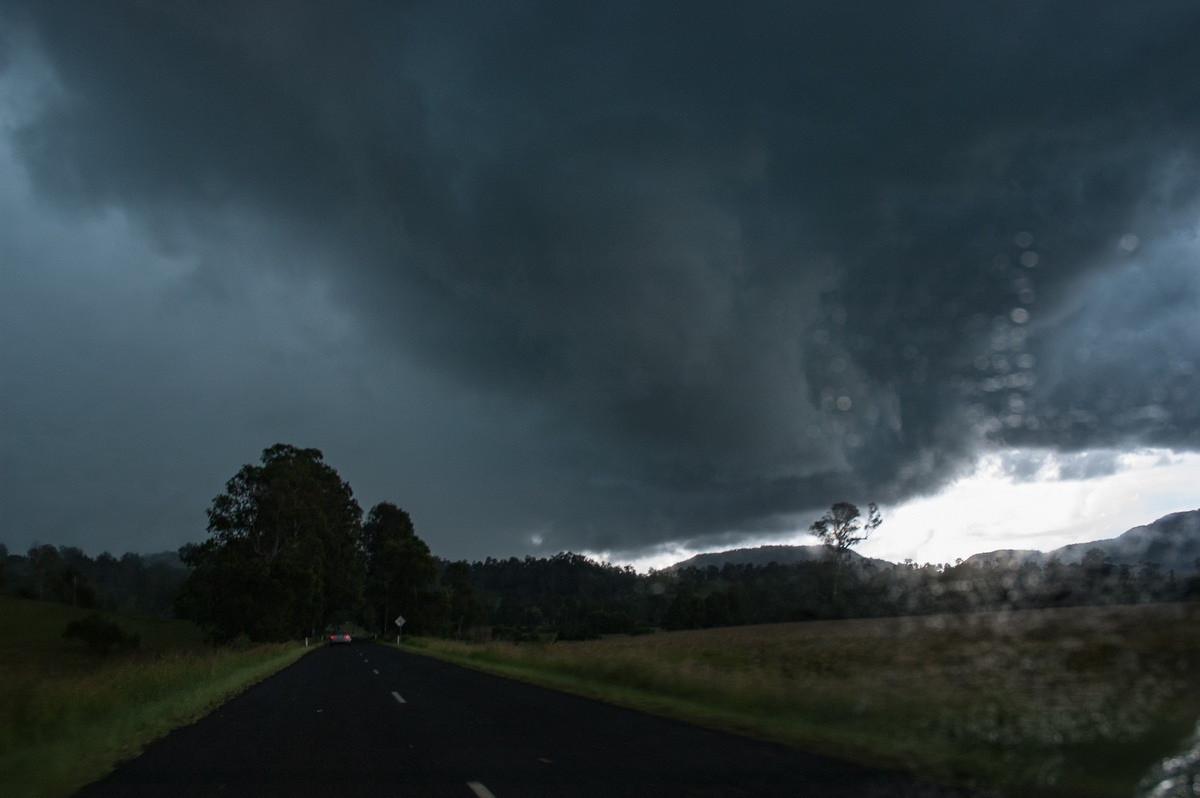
x=623 y=278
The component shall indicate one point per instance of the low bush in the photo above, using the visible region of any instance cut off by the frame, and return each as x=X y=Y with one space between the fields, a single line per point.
x=101 y=635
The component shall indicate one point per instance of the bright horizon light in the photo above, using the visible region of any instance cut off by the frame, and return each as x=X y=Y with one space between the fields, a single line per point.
x=1016 y=499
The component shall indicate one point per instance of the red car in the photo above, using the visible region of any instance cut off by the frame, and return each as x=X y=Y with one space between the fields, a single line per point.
x=339 y=637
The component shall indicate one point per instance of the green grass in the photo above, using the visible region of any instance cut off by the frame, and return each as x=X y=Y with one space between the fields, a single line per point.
x=1069 y=702
x=68 y=716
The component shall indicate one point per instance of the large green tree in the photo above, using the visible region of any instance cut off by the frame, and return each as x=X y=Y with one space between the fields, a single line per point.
x=284 y=555
x=401 y=572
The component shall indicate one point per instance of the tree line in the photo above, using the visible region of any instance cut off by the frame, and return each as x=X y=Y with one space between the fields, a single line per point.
x=132 y=584
x=290 y=554
x=571 y=597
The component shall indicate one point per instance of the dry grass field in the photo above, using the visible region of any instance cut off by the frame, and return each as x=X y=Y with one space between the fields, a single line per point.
x=1064 y=702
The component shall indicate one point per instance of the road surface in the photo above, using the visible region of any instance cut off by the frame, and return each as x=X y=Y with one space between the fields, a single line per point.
x=368 y=720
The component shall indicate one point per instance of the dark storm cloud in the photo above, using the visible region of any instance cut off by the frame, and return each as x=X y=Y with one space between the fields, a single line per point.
x=732 y=262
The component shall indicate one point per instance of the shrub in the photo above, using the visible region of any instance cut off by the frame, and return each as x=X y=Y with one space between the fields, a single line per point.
x=101 y=635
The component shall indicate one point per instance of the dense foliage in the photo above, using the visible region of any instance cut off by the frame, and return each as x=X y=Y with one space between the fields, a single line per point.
x=571 y=597
x=567 y=595
x=132 y=584
x=289 y=555
x=401 y=574
x=284 y=554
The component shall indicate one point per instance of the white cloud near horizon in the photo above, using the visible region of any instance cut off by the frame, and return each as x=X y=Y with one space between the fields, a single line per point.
x=992 y=508
x=1019 y=499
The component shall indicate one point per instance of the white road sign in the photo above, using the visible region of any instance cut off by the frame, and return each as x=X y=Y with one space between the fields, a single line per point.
x=399 y=620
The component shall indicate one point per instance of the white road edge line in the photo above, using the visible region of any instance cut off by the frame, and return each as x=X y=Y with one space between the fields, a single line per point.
x=396 y=696
x=480 y=790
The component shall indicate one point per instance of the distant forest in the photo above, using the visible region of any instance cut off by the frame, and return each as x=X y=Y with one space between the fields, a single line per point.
x=132 y=584
x=290 y=554
x=571 y=597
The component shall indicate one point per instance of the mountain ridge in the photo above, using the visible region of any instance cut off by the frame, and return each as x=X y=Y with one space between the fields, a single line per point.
x=764 y=555
x=1172 y=541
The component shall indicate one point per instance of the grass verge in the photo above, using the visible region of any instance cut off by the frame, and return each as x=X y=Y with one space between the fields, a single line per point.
x=1066 y=702
x=68 y=716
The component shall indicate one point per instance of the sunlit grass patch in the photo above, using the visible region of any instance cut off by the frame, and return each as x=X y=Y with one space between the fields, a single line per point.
x=66 y=715
x=1078 y=701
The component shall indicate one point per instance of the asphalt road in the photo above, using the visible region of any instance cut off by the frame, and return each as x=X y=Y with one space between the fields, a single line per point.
x=367 y=720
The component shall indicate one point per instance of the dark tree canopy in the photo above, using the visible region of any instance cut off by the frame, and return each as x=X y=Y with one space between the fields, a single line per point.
x=284 y=554
x=460 y=588
x=401 y=572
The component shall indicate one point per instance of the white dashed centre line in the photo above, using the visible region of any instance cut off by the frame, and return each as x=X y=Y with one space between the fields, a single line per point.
x=396 y=696
x=376 y=672
x=480 y=790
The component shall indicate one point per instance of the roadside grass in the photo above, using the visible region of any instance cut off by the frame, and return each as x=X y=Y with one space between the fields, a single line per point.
x=67 y=716
x=1063 y=702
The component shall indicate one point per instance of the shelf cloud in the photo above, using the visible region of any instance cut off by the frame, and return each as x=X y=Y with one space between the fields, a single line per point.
x=604 y=278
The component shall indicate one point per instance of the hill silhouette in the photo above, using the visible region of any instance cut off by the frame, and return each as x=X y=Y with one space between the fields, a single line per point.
x=1172 y=541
